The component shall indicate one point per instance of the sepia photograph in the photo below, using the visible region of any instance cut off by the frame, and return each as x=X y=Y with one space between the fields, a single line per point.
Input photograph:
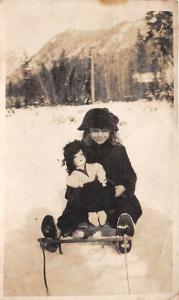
x=89 y=161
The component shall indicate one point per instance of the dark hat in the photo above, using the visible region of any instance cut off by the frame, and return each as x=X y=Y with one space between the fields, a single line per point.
x=99 y=118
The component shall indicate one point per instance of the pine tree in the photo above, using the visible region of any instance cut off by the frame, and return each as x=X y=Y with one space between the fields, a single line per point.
x=54 y=72
x=70 y=97
x=47 y=85
x=60 y=77
x=9 y=89
x=161 y=35
x=141 y=53
x=161 y=31
x=27 y=82
x=88 y=78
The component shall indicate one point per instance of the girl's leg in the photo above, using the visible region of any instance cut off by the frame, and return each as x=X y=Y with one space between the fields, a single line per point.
x=124 y=205
x=134 y=209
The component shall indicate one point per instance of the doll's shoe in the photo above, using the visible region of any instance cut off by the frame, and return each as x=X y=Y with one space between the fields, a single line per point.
x=93 y=218
x=48 y=227
x=125 y=225
x=102 y=217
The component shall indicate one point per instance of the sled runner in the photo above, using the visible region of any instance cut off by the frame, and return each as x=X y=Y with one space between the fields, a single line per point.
x=87 y=233
x=123 y=243
x=121 y=237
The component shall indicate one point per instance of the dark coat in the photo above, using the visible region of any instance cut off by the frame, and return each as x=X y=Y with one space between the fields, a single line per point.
x=119 y=171
x=116 y=163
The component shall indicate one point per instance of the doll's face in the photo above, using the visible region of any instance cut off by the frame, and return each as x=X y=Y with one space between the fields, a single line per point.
x=99 y=136
x=79 y=159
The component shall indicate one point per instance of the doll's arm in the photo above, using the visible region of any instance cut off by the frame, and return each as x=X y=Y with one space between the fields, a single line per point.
x=74 y=180
x=101 y=174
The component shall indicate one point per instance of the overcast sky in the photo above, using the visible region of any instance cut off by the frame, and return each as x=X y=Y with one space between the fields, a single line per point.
x=31 y=23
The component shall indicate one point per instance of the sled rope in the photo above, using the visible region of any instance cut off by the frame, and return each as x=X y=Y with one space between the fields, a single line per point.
x=44 y=269
x=126 y=265
x=124 y=238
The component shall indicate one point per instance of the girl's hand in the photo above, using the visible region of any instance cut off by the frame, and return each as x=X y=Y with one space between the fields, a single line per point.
x=119 y=190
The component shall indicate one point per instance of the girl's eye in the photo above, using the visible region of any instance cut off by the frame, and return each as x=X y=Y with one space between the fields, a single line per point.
x=98 y=130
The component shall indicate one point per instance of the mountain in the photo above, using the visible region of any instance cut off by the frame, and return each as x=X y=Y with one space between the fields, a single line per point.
x=14 y=59
x=78 y=43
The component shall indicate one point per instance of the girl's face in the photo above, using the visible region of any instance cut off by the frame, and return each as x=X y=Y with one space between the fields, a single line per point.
x=99 y=136
x=79 y=159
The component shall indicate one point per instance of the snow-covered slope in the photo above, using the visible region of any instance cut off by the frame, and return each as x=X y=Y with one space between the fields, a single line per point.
x=35 y=186
x=77 y=43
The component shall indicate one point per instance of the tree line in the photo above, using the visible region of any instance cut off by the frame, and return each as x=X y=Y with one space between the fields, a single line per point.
x=131 y=74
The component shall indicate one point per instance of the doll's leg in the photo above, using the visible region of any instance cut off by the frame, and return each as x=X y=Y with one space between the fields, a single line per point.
x=74 y=214
x=70 y=220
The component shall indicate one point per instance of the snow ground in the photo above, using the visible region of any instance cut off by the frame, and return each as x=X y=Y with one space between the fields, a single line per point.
x=35 y=186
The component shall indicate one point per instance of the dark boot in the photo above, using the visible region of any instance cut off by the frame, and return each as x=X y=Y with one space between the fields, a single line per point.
x=125 y=225
x=48 y=227
x=125 y=229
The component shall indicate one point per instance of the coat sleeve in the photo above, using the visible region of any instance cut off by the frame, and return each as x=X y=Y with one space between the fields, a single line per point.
x=125 y=172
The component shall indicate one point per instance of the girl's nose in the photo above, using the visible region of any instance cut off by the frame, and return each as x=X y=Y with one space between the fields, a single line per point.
x=100 y=133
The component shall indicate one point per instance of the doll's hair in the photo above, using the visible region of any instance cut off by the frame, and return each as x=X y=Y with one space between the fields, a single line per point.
x=114 y=138
x=69 y=152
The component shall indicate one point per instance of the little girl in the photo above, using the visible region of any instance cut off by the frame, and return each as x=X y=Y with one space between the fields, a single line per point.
x=88 y=192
